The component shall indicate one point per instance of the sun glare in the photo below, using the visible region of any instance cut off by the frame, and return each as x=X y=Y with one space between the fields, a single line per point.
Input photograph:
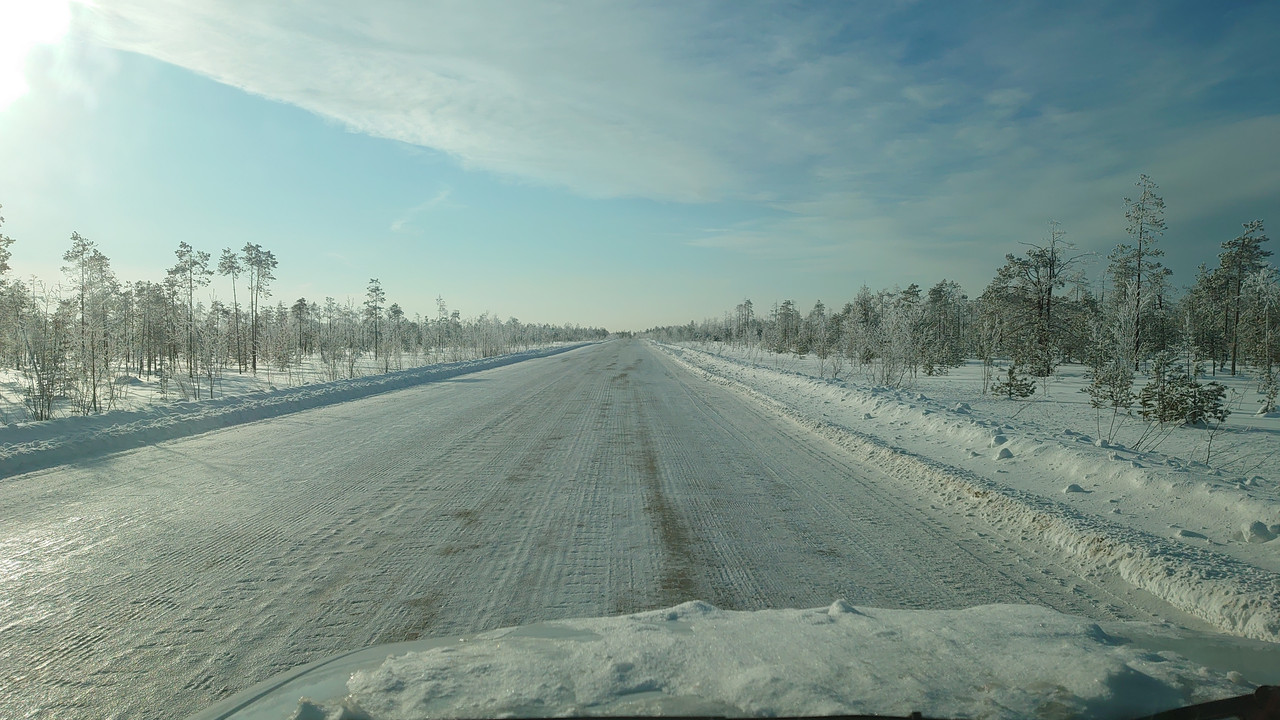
x=23 y=25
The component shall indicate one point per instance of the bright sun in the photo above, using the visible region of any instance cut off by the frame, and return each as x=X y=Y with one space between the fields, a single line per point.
x=23 y=25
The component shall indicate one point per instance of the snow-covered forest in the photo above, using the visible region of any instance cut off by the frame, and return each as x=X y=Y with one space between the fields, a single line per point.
x=76 y=347
x=1133 y=321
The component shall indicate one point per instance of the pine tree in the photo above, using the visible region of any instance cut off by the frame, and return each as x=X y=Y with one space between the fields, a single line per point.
x=1172 y=395
x=89 y=273
x=1239 y=259
x=1015 y=385
x=260 y=265
x=1203 y=333
x=1262 y=332
x=300 y=309
x=744 y=322
x=229 y=265
x=1131 y=265
x=1026 y=287
x=942 y=328
x=12 y=299
x=788 y=321
x=373 y=309
x=191 y=271
x=5 y=254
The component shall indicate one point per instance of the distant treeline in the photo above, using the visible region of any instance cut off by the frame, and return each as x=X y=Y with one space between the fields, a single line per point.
x=71 y=341
x=1040 y=311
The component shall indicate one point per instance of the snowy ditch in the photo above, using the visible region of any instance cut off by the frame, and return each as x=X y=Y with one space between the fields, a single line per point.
x=27 y=447
x=1230 y=594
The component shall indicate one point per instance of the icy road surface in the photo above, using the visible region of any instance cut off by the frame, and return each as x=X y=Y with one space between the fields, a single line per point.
x=605 y=480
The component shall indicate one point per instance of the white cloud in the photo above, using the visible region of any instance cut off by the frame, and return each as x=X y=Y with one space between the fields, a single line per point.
x=998 y=122
x=591 y=100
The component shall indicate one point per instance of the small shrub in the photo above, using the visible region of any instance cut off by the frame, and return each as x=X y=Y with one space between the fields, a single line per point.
x=1015 y=385
x=1173 y=396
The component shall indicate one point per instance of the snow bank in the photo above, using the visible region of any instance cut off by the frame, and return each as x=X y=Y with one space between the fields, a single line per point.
x=1235 y=596
x=997 y=661
x=38 y=445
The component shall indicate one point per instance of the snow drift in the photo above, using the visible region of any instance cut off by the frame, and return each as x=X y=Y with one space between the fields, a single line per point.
x=996 y=661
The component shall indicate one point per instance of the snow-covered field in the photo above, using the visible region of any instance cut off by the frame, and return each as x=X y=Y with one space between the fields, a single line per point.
x=1202 y=536
x=153 y=416
x=603 y=480
x=144 y=391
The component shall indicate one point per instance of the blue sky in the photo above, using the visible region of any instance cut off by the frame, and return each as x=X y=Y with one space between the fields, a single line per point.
x=633 y=164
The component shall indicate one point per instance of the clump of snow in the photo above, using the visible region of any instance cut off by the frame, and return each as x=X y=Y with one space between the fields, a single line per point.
x=840 y=607
x=1258 y=531
x=1074 y=488
x=996 y=661
x=1004 y=454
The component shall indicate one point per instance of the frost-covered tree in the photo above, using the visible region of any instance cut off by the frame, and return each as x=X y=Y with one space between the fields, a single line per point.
x=396 y=338
x=151 y=329
x=786 y=322
x=1109 y=373
x=373 y=302
x=88 y=273
x=260 y=266
x=192 y=271
x=1240 y=258
x=893 y=343
x=300 y=310
x=1261 y=332
x=15 y=309
x=229 y=265
x=12 y=301
x=988 y=331
x=942 y=328
x=865 y=327
x=5 y=253
x=1026 y=290
x=1133 y=265
x=813 y=333
x=46 y=349
x=1203 y=329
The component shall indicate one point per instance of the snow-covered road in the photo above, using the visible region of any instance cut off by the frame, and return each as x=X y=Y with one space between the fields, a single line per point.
x=603 y=480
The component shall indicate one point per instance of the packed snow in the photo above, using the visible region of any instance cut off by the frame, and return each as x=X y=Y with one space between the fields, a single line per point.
x=995 y=661
x=1201 y=536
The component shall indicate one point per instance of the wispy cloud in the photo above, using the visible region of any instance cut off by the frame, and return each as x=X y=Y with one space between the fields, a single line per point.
x=909 y=125
x=440 y=199
x=590 y=99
